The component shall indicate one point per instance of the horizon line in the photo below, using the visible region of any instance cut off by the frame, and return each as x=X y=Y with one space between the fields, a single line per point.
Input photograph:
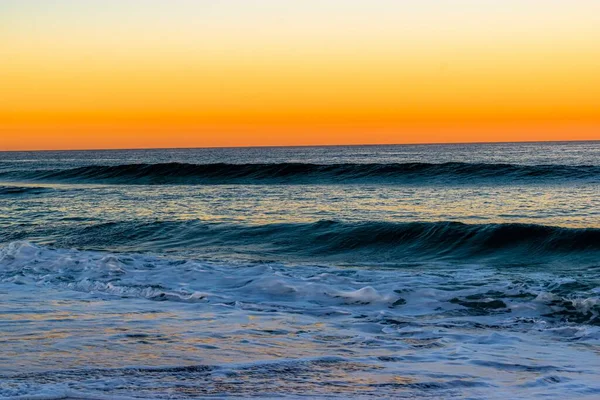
x=308 y=145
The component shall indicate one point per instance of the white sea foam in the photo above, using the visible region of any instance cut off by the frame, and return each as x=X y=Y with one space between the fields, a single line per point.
x=95 y=322
x=417 y=291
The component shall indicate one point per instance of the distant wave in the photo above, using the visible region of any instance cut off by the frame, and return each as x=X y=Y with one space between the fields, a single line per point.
x=22 y=190
x=299 y=173
x=331 y=240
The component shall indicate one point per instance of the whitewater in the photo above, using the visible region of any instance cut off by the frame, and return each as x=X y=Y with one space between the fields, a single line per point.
x=426 y=271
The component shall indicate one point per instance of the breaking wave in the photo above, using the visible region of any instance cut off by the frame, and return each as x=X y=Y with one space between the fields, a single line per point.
x=332 y=240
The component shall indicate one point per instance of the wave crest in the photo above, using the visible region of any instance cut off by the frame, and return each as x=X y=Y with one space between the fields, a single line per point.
x=336 y=240
x=301 y=173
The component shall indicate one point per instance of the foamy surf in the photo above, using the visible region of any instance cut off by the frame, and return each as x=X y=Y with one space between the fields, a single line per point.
x=471 y=331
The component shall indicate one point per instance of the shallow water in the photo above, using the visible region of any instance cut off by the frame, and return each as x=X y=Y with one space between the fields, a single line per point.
x=378 y=271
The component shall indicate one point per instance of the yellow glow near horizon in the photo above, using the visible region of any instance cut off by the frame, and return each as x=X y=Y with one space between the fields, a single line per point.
x=110 y=74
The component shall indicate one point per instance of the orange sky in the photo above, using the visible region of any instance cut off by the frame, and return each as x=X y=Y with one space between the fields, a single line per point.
x=127 y=74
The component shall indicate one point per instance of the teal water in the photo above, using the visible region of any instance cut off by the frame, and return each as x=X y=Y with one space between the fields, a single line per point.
x=443 y=271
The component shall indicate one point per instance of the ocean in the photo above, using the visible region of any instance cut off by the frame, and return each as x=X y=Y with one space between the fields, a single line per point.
x=409 y=271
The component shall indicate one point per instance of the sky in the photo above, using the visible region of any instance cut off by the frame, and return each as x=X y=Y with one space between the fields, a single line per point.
x=182 y=73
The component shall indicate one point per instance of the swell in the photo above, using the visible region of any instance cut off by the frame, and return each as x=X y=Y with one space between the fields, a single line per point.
x=300 y=173
x=330 y=240
x=25 y=190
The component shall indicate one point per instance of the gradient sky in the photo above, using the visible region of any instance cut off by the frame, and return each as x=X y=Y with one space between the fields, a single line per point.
x=183 y=73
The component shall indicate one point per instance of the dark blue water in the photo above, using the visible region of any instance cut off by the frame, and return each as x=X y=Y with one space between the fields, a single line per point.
x=436 y=271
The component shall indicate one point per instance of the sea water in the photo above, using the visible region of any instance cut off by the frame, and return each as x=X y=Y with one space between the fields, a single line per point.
x=441 y=271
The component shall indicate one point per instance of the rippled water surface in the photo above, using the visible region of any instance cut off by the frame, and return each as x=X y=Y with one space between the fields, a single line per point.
x=457 y=271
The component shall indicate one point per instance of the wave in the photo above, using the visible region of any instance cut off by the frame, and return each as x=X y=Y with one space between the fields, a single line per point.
x=331 y=240
x=18 y=190
x=300 y=173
